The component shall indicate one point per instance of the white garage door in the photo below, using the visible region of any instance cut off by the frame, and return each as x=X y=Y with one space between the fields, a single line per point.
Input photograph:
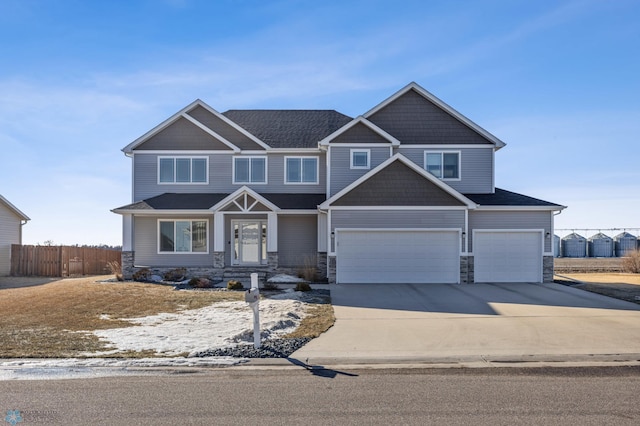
x=509 y=256
x=397 y=256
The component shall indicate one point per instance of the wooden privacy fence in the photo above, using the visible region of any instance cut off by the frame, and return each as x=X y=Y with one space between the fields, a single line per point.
x=60 y=261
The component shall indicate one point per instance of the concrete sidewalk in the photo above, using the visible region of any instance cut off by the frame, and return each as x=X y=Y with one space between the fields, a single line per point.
x=444 y=323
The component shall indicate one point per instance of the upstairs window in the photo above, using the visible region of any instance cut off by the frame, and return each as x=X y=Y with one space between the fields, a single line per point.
x=360 y=158
x=443 y=165
x=182 y=236
x=301 y=170
x=182 y=169
x=250 y=170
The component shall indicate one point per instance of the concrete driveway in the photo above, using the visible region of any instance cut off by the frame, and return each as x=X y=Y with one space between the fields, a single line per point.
x=478 y=322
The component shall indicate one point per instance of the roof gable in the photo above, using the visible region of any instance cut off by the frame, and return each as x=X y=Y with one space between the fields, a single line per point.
x=360 y=130
x=13 y=209
x=415 y=116
x=398 y=182
x=226 y=128
x=183 y=134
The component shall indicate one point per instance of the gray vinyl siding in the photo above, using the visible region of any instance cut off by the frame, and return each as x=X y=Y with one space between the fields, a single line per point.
x=9 y=234
x=397 y=219
x=511 y=220
x=297 y=240
x=146 y=245
x=412 y=119
x=220 y=177
x=341 y=173
x=476 y=167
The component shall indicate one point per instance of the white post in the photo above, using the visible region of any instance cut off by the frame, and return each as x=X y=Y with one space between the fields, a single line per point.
x=256 y=311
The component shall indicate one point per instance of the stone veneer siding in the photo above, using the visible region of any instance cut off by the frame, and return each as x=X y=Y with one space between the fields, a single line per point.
x=126 y=260
x=547 y=269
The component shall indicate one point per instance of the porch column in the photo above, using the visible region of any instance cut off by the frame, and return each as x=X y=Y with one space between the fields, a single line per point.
x=218 y=232
x=272 y=235
x=127 y=232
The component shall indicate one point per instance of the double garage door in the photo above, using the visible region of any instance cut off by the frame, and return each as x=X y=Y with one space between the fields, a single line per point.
x=507 y=256
x=433 y=256
x=397 y=256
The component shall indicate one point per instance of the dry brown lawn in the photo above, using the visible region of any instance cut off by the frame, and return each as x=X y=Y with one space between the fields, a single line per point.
x=46 y=318
x=618 y=285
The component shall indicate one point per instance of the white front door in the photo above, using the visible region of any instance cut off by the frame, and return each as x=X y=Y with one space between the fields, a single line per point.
x=249 y=242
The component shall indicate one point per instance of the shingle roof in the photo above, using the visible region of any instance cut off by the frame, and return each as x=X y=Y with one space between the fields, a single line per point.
x=200 y=201
x=502 y=197
x=289 y=128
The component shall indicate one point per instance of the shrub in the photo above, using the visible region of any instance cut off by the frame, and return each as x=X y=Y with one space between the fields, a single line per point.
x=270 y=286
x=175 y=274
x=143 y=275
x=200 y=283
x=115 y=269
x=309 y=272
x=631 y=262
x=303 y=287
x=234 y=285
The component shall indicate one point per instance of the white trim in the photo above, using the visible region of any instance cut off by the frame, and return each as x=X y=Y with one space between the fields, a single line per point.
x=210 y=132
x=424 y=159
x=170 y=152
x=234 y=125
x=447 y=146
x=173 y=212
x=301 y=157
x=429 y=96
x=297 y=212
x=14 y=209
x=520 y=208
x=218 y=232
x=175 y=157
x=249 y=157
x=244 y=190
x=294 y=151
x=328 y=167
x=399 y=157
x=398 y=208
x=127 y=232
x=327 y=140
x=359 y=150
x=174 y=220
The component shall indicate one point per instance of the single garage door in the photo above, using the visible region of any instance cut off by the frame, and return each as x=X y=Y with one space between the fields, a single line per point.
x=507 y=256
x=397 y=256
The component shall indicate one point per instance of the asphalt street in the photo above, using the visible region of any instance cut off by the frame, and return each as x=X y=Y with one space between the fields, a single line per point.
x=540 y=396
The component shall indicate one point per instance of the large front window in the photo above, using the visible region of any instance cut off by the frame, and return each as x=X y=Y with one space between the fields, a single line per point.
x=182 y=236
x=250 y=170
x=301 y=170
x=443 y=165
x=182 y=170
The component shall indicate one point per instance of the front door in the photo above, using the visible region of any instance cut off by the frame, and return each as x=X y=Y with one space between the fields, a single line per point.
x=249 y=242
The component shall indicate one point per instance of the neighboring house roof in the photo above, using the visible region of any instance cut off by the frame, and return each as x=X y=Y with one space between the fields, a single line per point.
x=503 y=197
x=14 y=209
x=203 y=201
x=289 y=128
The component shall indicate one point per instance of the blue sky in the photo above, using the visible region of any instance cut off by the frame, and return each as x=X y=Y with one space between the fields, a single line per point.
x=558 y=81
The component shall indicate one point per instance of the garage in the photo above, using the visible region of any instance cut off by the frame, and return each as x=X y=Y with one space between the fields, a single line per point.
x=397 y=256
x=507 y=256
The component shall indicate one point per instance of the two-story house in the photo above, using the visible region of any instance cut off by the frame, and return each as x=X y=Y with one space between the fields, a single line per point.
x=404 y=193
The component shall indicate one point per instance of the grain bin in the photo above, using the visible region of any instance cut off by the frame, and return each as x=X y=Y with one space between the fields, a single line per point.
x=574 y=245
x=600 y=245
x=556 y=246
x=624 y=242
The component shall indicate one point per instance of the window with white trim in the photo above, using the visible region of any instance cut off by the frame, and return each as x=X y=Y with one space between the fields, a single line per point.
x=182 y=236
x=301 y=170
x=183 y=170
x=250 y=170
x=360 y=159
x=443 y=165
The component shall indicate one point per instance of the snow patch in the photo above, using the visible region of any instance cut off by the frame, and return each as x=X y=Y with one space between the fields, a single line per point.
x=285 y=279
